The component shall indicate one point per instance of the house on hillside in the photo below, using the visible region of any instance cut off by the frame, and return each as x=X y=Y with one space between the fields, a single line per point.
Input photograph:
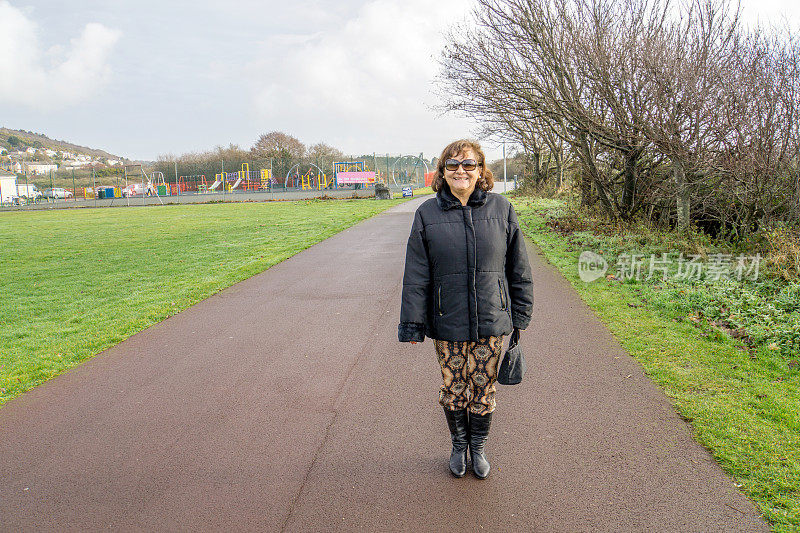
x=38 y=168
x=73 y=163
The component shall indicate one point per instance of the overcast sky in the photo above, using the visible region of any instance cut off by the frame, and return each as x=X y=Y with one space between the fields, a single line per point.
x=144 y=78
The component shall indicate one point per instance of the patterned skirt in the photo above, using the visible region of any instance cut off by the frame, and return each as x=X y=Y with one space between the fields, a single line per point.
x=469 y=373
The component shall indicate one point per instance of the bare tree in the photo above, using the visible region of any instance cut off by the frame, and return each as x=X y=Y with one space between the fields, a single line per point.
x=563 y=70
x=324 y=152
x=758 y=156
x=674 y=110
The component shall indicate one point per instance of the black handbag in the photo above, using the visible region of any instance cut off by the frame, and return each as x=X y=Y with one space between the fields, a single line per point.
x=512 y=369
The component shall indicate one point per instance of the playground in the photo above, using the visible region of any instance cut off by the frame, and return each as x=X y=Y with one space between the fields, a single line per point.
x=248 y=181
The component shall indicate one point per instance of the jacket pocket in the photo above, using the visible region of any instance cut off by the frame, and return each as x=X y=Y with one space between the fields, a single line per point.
x=503 y=300
x=439 y=299
x=493 y=304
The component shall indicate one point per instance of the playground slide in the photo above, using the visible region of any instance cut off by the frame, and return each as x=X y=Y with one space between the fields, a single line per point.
x=237 y=183
x=214 y=186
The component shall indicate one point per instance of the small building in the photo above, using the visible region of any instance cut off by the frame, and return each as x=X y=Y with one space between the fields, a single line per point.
x=8 y=187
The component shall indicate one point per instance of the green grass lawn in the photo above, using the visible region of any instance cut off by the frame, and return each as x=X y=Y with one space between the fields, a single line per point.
x=743 y=402
x=74 y=282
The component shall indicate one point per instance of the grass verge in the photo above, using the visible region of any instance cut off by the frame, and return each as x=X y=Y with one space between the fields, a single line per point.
x=76 y=282
x=742 y=398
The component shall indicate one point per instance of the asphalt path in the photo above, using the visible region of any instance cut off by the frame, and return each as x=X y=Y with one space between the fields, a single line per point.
x=285 y=403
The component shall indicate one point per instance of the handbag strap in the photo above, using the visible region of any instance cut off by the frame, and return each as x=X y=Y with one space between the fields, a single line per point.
x=514 y=338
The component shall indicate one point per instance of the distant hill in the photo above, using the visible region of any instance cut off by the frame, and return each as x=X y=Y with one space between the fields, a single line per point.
x=40 y=140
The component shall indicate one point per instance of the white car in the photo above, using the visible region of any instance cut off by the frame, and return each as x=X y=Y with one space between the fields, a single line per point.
x=57 y=192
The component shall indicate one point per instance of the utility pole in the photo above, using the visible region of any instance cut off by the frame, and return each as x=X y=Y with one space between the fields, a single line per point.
x=504 y=167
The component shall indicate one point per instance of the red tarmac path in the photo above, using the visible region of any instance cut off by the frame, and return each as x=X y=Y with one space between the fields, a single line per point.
x=285 y=403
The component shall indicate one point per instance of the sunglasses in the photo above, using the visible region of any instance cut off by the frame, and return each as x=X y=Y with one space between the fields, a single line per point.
x=468 y=164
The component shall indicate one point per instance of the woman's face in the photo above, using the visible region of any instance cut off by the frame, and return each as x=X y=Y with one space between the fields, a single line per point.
x=462 y=182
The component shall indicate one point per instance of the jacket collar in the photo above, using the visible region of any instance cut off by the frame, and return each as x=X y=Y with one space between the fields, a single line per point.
x=447 y=200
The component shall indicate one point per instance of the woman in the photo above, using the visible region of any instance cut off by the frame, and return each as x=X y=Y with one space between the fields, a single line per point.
x=467 y=283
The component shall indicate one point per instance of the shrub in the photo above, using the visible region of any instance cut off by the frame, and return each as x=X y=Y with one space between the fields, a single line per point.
x=783 y=251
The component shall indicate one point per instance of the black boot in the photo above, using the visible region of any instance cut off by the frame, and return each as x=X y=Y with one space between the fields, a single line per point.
x=457 y=421
x=478 y=432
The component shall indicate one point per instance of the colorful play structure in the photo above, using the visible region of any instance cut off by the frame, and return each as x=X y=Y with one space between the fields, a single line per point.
x=244 y=179
x=184 y=182
x=345 y=173
x=314 y=179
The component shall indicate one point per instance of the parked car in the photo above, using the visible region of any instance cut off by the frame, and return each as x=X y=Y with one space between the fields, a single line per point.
x=57 y=192
x=136 y=189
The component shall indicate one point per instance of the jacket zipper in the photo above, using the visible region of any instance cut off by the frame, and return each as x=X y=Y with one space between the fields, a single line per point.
x=502 y=294
x=439 y=296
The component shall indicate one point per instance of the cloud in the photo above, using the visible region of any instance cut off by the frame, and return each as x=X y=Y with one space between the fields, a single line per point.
x=59 y=77
x=369 y=76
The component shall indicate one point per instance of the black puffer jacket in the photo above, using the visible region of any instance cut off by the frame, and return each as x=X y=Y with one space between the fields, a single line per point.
x=467 y=274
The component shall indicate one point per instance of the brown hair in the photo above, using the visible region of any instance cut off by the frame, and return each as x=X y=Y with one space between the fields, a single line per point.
x=486 y=179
